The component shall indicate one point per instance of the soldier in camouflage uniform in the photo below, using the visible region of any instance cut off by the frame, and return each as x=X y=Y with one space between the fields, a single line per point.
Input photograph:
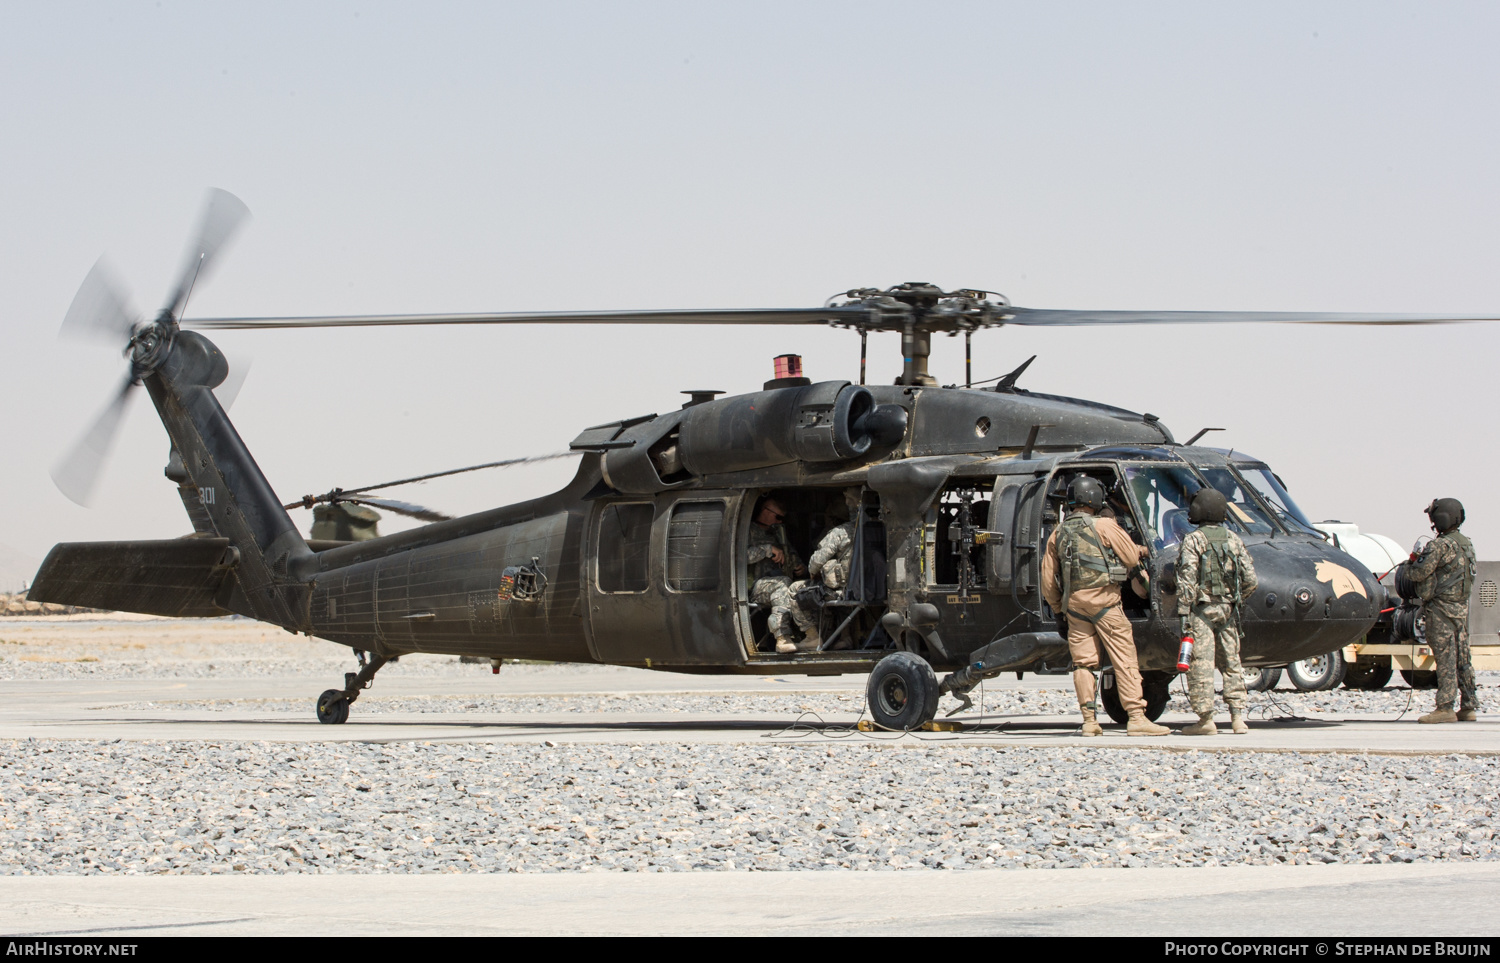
x=1444 y=575
x=1214 y=575
x=772 y=562
x=830 y=563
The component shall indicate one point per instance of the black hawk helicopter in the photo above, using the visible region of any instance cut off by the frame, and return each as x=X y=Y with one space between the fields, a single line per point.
x=641 y=559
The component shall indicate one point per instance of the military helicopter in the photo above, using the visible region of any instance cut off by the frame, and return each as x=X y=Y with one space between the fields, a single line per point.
x=641 y=559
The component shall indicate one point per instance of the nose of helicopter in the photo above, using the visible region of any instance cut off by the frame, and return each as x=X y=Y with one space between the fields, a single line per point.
x=1311 y=599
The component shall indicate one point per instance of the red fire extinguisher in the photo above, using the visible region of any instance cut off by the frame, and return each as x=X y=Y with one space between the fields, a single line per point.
x=1185 y=654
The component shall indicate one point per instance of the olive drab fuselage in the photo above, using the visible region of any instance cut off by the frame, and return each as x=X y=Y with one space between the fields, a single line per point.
x=642 y=559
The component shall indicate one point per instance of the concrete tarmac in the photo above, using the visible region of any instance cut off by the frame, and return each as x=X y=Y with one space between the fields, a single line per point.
x=85 y=709
x=1316 y=902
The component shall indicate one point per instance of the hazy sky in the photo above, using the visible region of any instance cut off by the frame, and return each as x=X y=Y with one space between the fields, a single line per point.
x=491 y=157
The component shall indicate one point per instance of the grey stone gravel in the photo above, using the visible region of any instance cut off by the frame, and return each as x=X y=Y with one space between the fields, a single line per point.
x=75 y=807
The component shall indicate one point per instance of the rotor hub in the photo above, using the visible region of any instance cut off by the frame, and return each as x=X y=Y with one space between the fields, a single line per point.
x=150 y=344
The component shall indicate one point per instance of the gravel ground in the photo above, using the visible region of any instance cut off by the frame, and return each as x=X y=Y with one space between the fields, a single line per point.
x=70 y=808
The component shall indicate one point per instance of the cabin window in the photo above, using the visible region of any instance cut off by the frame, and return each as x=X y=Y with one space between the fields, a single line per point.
x=624 y=547
x=693 y=537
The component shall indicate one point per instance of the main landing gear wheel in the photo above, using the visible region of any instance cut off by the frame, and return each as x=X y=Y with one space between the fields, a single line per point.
x=1156 y=687
x=1419 y=678
x=1317 y=674
x=902 y=692
x=1366 y=675
x=333 y=708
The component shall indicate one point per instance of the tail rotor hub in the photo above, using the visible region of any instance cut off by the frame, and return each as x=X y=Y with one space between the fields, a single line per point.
x=150 y=344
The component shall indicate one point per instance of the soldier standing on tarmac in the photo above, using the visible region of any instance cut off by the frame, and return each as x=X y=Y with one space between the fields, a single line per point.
x=1444 y=574
x=1214 y=575
x=1087 y=560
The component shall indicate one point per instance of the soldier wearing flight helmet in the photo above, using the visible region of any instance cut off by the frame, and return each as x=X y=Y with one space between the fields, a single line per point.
x=1214 y=575
x=1444 y=576
x=1088 y=558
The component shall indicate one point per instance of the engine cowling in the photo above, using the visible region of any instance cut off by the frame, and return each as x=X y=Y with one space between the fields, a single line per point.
x=831 y=421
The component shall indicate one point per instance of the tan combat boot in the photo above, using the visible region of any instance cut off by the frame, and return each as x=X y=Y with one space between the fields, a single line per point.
x=1468 y=714
x=785 y=646
x=1237 y=723
x=811 y=643
x=1203 y=727
x=1091 y=725
x=1139 y=725
x=1439 y=715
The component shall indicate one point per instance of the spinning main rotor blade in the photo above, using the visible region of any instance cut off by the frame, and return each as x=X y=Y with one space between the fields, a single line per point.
x=223 y=214
x=853 y=315
x=1057 y=318
x=99 y=310
x=78 y=472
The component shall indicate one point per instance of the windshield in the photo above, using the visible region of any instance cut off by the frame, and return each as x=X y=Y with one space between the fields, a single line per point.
x=1265 y=482
x=1243 y=506
x=1163 y=495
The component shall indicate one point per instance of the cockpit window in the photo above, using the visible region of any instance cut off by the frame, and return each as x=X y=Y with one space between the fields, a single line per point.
x=1243 y=506
x=1163 y=495
x=1265 y=482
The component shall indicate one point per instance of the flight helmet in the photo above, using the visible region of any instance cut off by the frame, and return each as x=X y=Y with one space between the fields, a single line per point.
x=1446 y=513
x=1085 y=491
x=1209 y=507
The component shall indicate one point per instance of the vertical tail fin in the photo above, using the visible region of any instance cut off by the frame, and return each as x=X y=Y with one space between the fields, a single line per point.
x=235 y=496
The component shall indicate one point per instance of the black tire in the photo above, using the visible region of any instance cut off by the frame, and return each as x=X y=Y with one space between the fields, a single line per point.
x=1368 y=676
x=902 y=692
x=1262 y=680
x=333 y=708
x=1419 y=679
x=1319 y=673
x=1155 y=686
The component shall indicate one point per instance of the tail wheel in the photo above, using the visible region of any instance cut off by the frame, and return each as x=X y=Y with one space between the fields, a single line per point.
x=1318 y=673
x=333 y=708
x=902 y=692
x=1366 y=675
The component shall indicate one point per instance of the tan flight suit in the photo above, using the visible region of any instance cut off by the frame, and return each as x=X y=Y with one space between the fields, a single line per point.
x=1112 y=630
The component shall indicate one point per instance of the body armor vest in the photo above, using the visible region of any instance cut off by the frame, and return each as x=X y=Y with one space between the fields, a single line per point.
x=1218 y=575
x=1454 y=581
x=1086 y=561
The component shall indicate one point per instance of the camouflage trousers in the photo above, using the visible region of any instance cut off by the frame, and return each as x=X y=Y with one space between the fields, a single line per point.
x=1216 y=642
x=1448 y=634
x=778 y=594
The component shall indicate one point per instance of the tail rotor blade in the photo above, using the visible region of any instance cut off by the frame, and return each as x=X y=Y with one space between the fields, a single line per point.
x=99 y=311
x=78 y=472
x=223 y=215
x=229 y=389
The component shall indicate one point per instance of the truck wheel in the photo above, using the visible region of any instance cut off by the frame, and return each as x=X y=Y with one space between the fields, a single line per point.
x=1261 y=680
x=902 y=692
x=1366 y=675
x=1420 y=679
x=1318 y=673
